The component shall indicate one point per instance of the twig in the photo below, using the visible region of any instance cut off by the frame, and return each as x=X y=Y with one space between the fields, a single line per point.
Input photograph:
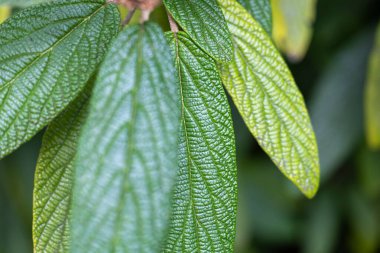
x=173 y=25
x=129 y=17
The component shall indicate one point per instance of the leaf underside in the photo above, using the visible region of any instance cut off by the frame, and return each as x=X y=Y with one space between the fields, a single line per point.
x=204 y=23
x=47 y=54
x=127 y=157
x=54 y=178
x=261 y=10
x=373 y=96
x=205 y=198
x=269 y=101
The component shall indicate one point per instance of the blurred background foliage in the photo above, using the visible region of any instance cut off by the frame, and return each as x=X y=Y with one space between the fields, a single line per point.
x=330 y=66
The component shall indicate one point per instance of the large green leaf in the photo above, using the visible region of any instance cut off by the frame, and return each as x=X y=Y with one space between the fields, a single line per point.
x=54 y=178
x=47 y=54
x=372 y=101
x=266 y=95
x=205 y=197
x=204 y=22
x=292 y=26
x=261 y=10
x=127 y=156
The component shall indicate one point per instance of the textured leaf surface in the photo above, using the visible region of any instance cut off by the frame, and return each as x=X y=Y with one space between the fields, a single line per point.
x=127 y=158
x=261 y=10
x=205 y=198
x=47 y=54
x=5 y=12
x=373 y=96
x=267 y=97
x=336 y=107
x=204 y=22
x=22 y=3
x=292 y=26
x=54 y=178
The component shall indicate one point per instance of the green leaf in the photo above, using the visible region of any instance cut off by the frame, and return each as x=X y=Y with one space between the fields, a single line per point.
x=206 y=193
x=336 y=107
x=47 y=54
x=372 y=101
x=54 y=178
x=292 y=26
x=267 y=97
x=205 y=24
x=261 y=10
x=21 y=3
x=127 y=156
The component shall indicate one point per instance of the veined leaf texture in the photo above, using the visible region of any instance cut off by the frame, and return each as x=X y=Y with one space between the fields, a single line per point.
x=267 y=97
x=47 y=54
x=204 y=22
x=127 y=158
x=205 y=197
x=261 y=10
x=54 y=178
x=372 y=106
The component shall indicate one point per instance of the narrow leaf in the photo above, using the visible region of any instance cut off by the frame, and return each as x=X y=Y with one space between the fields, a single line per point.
x=292 y=26
x=205 y=197
x=261 y=10
x=127 y=157
x=204 y=22
x=372 y=101
x=267 y=97
x=54 y=178
x=47 y=54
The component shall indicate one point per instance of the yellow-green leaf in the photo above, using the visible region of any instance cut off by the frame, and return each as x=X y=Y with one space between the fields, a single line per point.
x=54 y=178
x=5 y=12
x=266 y=95
x=292 y=26
x=372 y=101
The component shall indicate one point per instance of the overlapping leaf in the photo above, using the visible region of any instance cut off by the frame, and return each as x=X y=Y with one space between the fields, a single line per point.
x=372 y=101
x=54 y=178
x=127 y=157
x=47 y=54
x=292 y=26
x=261 y=10
x=204 y=22
x=205 y=198
x=22 y=3
x=266 y=95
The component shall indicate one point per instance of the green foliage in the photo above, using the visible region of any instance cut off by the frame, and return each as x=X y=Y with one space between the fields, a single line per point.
x=47 y=54
x=127 y=155
x=54 y=177
x=142 y=158
x=206 y=193
x=269 y=101
x=204 y=22
x=373 y=96
x=261 y=10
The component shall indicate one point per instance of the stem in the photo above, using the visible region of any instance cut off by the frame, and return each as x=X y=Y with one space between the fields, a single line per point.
x=173 y=25
x=129 y=17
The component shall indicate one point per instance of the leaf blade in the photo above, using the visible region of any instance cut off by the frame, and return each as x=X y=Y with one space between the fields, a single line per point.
x=206 y=188
x=204 y=22
x=69 y=39
x=267 y=97
x=127 y=158
x=372 y=94
x=261 y=10
x=54 y=178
